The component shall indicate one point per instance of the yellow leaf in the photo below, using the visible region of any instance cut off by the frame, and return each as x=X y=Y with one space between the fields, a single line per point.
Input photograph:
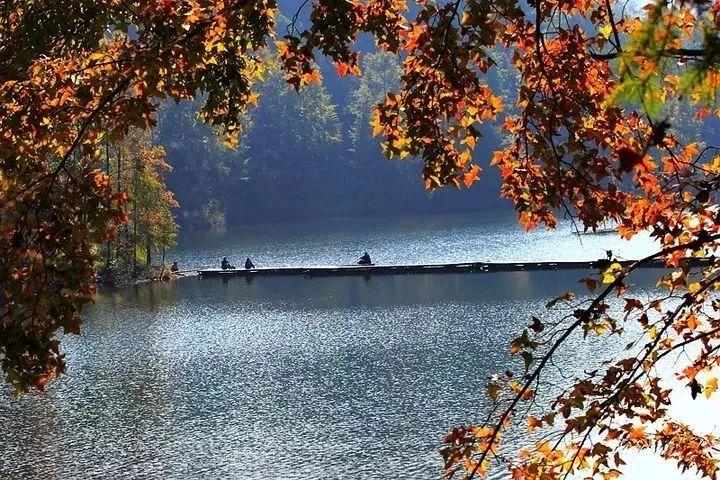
x=470 y=140
x=375 y=123
x=230 y=141
x=714 y=166
x=691 y=223
x=609 y=274
x=711 y=387
x=482 y=432
x=253 y=98
x=652 y=333
x=400 y=143
x=605 y=31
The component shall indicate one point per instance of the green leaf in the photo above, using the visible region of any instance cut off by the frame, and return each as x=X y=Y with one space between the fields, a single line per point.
x=494 y=391
x=528 y=359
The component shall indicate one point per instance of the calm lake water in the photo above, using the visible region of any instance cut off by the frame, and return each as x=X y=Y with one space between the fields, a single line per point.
x=487 y=236
x=291 y=377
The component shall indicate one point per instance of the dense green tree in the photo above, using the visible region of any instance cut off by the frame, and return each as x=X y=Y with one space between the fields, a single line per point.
x=274 y=170
x=293 y=142
x=206 y=174
x=381 y=74
x=298 y=149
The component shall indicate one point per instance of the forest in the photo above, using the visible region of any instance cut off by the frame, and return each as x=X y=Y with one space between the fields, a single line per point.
x=321 y=160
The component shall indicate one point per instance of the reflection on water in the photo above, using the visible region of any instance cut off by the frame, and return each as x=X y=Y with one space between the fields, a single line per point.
x=274 y=378
x=487 y=236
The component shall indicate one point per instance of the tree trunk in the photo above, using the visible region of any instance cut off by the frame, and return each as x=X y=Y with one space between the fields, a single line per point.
x=118 y=241
x=108 y=244
x=134 y=240
x=134 y=236
x=148 y=247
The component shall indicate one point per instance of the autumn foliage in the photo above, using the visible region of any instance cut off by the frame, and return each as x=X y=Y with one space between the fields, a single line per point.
x=590 y=134
x=67 y=86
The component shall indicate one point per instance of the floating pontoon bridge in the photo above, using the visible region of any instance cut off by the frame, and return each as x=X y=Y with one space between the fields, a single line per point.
x=468 y=267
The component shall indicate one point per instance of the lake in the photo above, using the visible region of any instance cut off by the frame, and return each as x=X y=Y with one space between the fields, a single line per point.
x=292 y=377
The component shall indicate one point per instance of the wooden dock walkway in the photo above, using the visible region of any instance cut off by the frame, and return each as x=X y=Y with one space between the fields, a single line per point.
x=468 y=267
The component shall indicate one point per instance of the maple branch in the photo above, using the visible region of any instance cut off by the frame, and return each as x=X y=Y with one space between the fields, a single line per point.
x=78 y=138
x=584 y=317
x=290 y=28
x=633 y=375
x=618 y=45
x=690 y=340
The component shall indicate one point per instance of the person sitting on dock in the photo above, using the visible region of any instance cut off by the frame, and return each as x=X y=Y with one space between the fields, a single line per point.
x=249 y=264
x=174 y=268
x=365 y=260
x=225 y=264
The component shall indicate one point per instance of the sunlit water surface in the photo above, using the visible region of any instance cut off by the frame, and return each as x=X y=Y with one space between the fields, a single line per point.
x=487 y=236
x=292 y=377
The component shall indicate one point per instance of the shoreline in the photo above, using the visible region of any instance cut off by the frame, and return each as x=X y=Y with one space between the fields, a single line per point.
x=146 y=281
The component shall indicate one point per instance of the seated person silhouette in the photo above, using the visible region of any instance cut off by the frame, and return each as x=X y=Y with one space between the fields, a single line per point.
x=365 y=260
x=249 y=264
x=225 y=264
x=174 y=267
